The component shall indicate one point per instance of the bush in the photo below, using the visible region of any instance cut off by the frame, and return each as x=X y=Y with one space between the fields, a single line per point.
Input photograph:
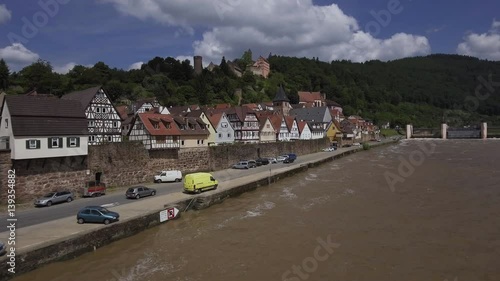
x=366 y=146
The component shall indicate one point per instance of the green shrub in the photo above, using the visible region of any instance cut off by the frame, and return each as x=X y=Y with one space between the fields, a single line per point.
x=366 y=146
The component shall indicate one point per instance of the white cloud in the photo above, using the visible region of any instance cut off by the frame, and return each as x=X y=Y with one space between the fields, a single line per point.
x=136 y=65
x=5 y=14
x=63 y=69
x=485 y=45
x=294 y=28
x=17 y=56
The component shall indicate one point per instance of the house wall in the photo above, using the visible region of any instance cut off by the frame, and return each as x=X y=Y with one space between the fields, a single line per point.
x=306 y=134
x=21 y=152
x=211 y=137
x=225 y=130
x=267 y=134
x=6 y=127
x=193 y=141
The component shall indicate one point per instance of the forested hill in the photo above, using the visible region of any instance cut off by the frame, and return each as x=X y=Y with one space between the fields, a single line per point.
x=424 y=91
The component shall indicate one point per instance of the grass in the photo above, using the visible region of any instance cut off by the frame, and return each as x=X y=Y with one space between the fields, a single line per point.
x=389 y=132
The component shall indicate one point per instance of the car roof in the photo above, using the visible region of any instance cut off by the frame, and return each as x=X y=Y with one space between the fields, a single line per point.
x=92 y=207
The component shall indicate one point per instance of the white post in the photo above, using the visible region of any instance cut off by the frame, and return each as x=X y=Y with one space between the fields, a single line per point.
x=409 y=131
x=444 y=130
x=484 y=130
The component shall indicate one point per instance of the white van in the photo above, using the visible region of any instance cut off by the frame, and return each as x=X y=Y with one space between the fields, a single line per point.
x=166 y=176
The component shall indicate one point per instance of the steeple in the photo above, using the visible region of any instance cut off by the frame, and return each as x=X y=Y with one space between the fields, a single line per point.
x=280 y=96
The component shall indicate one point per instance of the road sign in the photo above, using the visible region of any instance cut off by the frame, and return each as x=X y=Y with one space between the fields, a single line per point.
x=168 y=214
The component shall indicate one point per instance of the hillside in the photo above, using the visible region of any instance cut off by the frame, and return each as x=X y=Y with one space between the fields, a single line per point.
x=421 y=90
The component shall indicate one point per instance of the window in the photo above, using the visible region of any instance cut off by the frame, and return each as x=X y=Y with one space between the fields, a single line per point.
x=268 y=126
x=104 y=110
x=228 y=135
x=182 y=142
x=156 y=125
x=223 y=125
x=91 y=124
x=160 y=139
x=220 y=135
x=6 y=123
x=91 y=138
x=115 y=124
x=55 y=142
x=198 y=142
x=73 y=142
x=98 y=110
x=110 y=138
x=32 y=144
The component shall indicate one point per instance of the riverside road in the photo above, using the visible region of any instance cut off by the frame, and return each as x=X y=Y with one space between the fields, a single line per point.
x=34 y=215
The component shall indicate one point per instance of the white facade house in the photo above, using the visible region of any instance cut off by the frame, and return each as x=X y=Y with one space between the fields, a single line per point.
x=34 y=128
x=104 y=122
x=317 y=130
x=305 y=131
x=224 y=132
x=289 y=130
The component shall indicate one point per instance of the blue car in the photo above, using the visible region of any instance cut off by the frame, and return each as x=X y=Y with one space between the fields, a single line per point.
x=96 y=214
x=291 y=157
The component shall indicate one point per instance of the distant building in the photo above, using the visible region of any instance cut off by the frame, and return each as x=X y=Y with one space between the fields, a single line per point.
x=261 y=67
x=155 y=131
x=312 y=99
x=281 y=103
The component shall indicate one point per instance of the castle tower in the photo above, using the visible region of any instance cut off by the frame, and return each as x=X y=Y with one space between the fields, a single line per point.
x=198 y=65
x=281 y=102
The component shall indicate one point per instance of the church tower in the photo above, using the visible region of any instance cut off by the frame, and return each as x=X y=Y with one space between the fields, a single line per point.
x=281 y=102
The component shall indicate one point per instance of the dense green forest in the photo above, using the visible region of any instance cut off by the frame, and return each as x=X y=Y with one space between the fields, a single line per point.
x=424 y=91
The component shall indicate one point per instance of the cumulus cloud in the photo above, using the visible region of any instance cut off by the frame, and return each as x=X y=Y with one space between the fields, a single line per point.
x=294 y=28
x=63 y=69
x=18 y=56
x=5 y=14
x=485 y=45
x=136 y=65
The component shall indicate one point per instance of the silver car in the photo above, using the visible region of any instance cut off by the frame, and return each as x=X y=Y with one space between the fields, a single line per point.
x=54 y=198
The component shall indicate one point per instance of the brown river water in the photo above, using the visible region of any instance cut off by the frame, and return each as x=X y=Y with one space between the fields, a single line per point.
x=438 y=220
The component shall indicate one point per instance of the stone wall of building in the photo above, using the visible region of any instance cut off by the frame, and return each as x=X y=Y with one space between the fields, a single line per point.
x=5 y=166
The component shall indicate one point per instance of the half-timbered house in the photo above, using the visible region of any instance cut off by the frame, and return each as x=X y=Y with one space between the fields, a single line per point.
x=245 y=124
x=155 y=131
x=104 y=122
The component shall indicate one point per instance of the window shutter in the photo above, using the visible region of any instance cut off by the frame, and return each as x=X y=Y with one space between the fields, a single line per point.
x=60 y=142
x=27 y=144
x=49 y=140
x=38 y=143
x=78 y=142
x=67 y=142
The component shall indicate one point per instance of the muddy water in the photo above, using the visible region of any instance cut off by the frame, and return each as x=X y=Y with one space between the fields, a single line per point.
x=340 y=221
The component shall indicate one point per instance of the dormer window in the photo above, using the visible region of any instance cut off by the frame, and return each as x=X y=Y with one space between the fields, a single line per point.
x=156 y=126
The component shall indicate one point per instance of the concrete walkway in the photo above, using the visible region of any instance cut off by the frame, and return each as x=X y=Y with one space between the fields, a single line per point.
x=40 y=235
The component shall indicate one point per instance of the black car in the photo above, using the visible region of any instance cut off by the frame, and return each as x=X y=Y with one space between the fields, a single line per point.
x=262 y=161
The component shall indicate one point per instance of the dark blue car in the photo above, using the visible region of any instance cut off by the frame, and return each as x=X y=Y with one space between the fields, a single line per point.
x=96 y=214
x=291 y=157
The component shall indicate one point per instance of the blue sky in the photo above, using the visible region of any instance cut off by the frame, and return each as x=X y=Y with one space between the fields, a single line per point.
x=122 y=33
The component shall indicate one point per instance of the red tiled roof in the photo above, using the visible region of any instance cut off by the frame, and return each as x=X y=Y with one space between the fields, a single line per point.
x=161 y=119
x=301 y=125
x=252 y=106
x=122 y=111
x=289 y=122
x=222 y=106
x=214 y=118
x=275 y=121
x=310 y=96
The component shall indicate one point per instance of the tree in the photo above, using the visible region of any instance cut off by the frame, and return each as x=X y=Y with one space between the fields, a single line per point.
x=4 y=75
x=39 y=76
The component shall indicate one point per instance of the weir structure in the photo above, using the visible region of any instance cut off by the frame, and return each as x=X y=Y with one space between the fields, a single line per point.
x=447 y=132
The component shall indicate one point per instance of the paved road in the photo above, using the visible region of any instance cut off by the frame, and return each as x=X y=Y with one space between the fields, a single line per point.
x=44 y=214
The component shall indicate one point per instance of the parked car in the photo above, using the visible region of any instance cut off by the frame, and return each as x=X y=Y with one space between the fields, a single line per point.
x=281 y=158
x=94 y=188
x=329 y=149
x=198 y=182
x=139 y=191
x=54 y=198
x=3 y=249
x=290 y=159
x=96 y=214
x=356 y=144
x=262 y=161
x=272 y=160
x=252 y=164
x=168 y=176
x=241 y=165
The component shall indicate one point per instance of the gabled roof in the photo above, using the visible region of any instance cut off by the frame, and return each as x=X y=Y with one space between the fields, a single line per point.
x=310 y=96
x=215 y=118
x=222 y=106
x=275 y=121
x=289 y=122
x=35 y=93
x=179 y=110
x=331 y=103
x=83 y=96
x=122 y=111
x=315 y=126
x=240 y=111
x=281 y=95
x=199 y=127
x=302 y=125
x=31 y=116
x=263 y=121
x=138 y=104
x=150 y=119
x=316 y=114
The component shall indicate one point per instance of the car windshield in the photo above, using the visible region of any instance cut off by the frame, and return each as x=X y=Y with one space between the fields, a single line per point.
x=103 y=210
x=130 y=190
x=49 y=194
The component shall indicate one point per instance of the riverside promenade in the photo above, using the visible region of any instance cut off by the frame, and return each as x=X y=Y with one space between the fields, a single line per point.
x=62 y=238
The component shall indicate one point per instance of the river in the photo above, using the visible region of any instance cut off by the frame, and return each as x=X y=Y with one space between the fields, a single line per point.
x=354 y=219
